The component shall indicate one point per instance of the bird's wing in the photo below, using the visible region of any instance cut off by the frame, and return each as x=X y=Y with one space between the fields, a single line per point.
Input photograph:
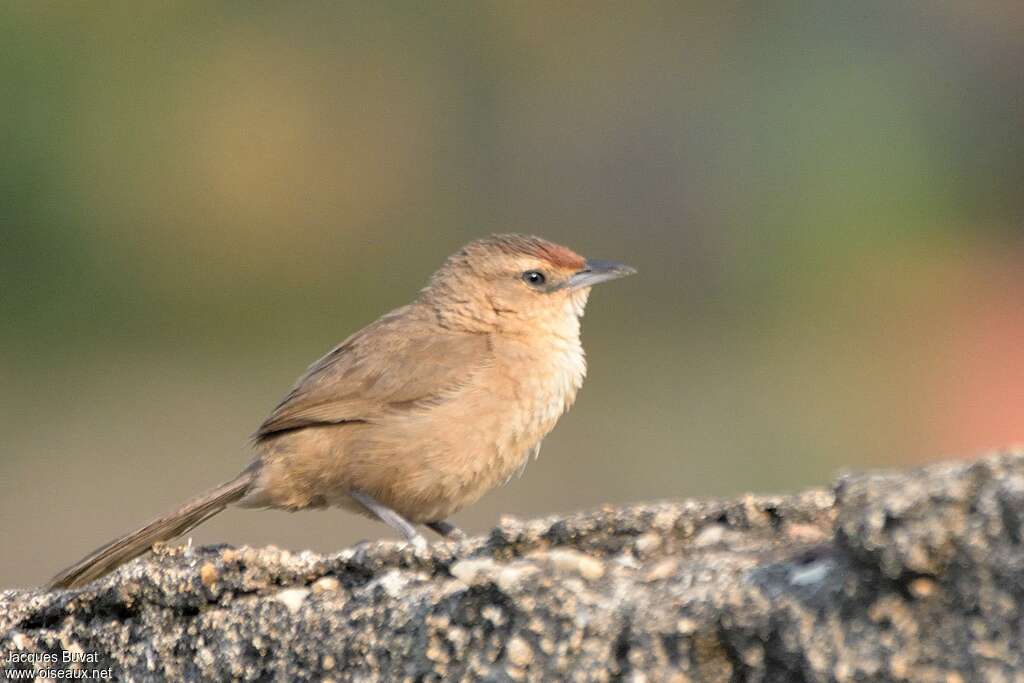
x=399 y=361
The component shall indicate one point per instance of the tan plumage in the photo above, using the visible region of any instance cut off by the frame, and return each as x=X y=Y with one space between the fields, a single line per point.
x=423 y=411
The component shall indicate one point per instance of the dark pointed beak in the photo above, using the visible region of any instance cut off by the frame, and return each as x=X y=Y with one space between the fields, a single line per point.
x=595 y=272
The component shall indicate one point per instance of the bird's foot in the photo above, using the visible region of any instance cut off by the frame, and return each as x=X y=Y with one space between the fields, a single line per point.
x=447 y=529
x=359 y=552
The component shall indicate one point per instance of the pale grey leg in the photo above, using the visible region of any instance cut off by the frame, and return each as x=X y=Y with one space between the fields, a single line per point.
x=391 y=518
x=447 y=529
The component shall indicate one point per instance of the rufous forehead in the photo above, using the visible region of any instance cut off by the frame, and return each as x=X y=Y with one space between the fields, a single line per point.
x=535 y=247
x=559 y=256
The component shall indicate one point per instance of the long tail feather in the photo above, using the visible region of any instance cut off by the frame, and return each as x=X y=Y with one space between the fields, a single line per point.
x=108 y=557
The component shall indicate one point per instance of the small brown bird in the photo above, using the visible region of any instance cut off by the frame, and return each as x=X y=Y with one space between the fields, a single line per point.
x=423 y=411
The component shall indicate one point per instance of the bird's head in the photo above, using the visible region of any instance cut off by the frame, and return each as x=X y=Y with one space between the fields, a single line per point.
x=517 y=283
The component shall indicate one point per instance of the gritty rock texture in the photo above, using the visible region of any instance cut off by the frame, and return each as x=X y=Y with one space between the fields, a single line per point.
x=914 y=576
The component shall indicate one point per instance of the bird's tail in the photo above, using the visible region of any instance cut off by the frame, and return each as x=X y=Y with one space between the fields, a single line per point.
x=108 y=557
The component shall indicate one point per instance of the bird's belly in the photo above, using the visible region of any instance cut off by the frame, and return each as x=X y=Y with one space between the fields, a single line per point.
x=449 y=456
x=429 y=479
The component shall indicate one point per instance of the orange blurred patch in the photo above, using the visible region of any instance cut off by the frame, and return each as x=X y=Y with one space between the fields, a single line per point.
x=984 y=384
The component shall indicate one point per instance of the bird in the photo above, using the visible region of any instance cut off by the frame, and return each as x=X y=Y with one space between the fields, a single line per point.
x=421 y=412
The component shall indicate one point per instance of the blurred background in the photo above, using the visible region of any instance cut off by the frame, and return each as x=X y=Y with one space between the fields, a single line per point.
x=197 y=200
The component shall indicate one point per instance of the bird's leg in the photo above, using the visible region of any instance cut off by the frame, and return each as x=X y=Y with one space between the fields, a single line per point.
x=447 y=529
x=391 y=518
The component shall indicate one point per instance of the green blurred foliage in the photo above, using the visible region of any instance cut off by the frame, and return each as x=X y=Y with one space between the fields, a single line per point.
x=197 y=199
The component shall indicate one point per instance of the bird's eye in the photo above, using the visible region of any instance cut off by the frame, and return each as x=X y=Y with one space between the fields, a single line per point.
x=534 y=278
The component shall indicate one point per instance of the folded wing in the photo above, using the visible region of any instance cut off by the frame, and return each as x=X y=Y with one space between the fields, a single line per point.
x=401 y=361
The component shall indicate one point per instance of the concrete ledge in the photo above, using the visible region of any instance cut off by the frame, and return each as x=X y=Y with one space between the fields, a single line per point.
x=885 y=577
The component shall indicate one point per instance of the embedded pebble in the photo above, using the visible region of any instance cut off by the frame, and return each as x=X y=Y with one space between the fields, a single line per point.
x=292 y=598
x=208 y=574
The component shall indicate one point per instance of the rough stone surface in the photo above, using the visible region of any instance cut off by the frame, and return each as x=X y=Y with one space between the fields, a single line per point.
x=913 y=576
